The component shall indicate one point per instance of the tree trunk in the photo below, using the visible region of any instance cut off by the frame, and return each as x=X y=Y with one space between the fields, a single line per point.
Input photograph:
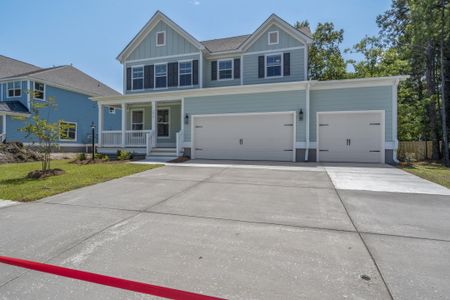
x=431 y=109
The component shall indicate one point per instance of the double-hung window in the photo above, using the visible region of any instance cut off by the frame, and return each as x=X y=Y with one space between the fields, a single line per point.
x=163 y=119
x=14 y=89
x=185 y=73
x=225 y=69
x=137 y=76
x=39 y=91
x=273 y=65
x=137 y=119
x=161 y=76
x=67 y=131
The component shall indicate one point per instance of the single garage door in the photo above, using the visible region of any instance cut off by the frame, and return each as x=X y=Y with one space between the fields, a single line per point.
x=244 y=137
x=351 y=137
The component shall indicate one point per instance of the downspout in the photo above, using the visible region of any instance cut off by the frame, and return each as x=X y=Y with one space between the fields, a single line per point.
x=307 y=120
x=28 y=95
x=394 y=120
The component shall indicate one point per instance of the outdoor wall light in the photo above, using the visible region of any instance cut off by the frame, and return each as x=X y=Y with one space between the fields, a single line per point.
x=300 y=114
x=186 y=119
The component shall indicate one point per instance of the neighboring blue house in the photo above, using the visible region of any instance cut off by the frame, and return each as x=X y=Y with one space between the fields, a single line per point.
x=22 y=83
x=245 y=97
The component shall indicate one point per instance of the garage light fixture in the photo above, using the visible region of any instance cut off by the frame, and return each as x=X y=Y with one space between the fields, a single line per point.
x=300 y=114
x=186 y=119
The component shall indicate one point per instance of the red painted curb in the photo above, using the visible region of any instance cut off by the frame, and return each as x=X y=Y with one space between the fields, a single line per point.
x=120 y=283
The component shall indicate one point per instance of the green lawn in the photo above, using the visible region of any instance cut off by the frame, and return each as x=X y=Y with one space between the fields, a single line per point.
x=15 y=186
x=431 y=171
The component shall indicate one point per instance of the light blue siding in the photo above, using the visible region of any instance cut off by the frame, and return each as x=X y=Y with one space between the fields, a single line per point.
x=112 y=121
x=246 y=103
x=217 y=83
x=285 y=41
x=352 y=99
x=175 y=44
x=297 y=68
x=71 y=107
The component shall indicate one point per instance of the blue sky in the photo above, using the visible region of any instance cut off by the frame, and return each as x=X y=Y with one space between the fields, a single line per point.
x=91 y=33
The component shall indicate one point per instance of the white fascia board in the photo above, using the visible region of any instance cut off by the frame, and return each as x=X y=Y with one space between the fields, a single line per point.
x=358 y=82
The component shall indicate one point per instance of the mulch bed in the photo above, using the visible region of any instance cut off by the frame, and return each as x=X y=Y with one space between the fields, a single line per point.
x=38 y=174
x=180 y=159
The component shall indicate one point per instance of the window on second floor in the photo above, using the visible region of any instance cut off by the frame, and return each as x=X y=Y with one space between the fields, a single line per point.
x=161 y=38
x=273 y=37
x=225 y=69
x=273 y=65
x=185 y=73
x=161 y=76
x=137 y=78
x=39 y=91
x=14 y=89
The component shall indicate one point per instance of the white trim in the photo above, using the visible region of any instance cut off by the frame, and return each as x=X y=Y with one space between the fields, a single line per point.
x=200 y=70
x=232 y=69
x=394 y=120
x=307 y=112
x=132 y=78
x=278 y=37
x=112 y=110
x=154 y=108
x=305 y=62
x=168 y=122
x=182 y=114
x=179 y=73
x=100 y=123
x=156 y=38
x=76 y=131
x=4 y=124
x=123 y=124
x=294 y=136
x=281 y=65
x=383 y=129
x=154 y=76
x=29 y=94
x=14 y=89
x=242 y=69
x=274 y=50
x=132 y=110
x=44 y=92
x=159 y=58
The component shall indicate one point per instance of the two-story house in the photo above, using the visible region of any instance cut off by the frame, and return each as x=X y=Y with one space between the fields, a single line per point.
x=245 y=97
x=68 y=88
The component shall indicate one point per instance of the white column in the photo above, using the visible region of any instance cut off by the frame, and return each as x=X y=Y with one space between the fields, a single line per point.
x=124 y=123
x=100 y=124
x=307 y=121
x=200 y=70
x=155 y=130
x=394 y=120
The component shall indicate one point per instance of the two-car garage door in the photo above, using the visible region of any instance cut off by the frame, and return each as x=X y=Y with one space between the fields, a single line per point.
x=351 y=136
x=257 y=136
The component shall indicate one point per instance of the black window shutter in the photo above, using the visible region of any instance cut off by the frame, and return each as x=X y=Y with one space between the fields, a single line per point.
x=286 y=64
x=195 y=72
x=148 y=77
x=237 y=68
x=128 y=79
x=261 y=66
x=214 y=70
x=172 y=74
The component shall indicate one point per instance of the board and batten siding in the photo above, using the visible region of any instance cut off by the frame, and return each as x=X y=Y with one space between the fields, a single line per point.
x=285 y=41
x=247 y=103
x=352 y=99
x=175 y=44
x=297 y=57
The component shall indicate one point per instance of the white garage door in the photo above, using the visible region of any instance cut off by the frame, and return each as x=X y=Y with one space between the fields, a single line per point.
x=245 y=137
x=351 y=137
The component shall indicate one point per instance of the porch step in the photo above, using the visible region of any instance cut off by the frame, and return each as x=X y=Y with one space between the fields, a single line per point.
x=166 y=150
x=156 y=153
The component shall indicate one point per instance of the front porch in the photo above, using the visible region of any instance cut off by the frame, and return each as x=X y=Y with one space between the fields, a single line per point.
x=153 y=128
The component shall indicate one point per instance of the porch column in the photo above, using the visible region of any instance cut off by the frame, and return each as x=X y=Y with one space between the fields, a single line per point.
x=155 y=130
x=100 y=125
x=124 y=123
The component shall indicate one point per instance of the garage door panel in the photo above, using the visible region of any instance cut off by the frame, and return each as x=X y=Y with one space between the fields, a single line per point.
x=246 y=137
x=351 y=137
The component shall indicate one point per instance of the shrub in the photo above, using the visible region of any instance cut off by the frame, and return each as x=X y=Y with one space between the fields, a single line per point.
x=82 y=156
x=101 y=156
x=123 y=155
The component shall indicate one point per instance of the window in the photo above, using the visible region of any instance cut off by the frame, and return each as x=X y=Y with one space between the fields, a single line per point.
x=39 y=91
x=273 y=37
x=137 y=119
x=112 y=110
x=67 y=131
x=161 y=38
x=225 y=69
x=137 y=78
x=163 y=122
x=185 y=73
x=273 y=65
x=14 y=89
x=161 y=76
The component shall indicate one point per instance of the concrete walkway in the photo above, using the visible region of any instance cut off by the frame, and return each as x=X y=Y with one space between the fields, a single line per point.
x=239 y=231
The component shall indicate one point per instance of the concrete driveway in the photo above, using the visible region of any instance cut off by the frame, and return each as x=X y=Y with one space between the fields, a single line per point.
x=280 y=231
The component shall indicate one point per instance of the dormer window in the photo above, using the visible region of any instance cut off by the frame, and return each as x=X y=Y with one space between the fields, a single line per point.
x=161 y=38
x=273 y=37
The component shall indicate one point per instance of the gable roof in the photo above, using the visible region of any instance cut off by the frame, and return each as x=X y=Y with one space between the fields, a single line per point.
x=154 y=20
x=13 y=107
x=10 y=67
x=68 y=77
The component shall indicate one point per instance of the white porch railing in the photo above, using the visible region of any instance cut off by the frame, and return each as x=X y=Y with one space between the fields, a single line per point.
x=136 y=138
x=112 y=138
x=179 y=141
x=2 y=137
x=149 y=141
